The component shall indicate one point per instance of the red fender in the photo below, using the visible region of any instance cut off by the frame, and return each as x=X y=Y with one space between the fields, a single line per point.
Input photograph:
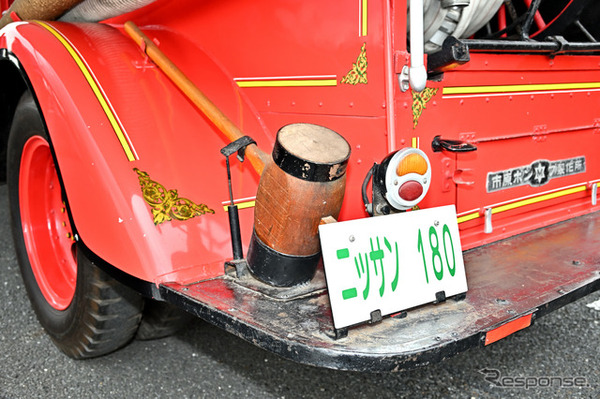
x=116 y=124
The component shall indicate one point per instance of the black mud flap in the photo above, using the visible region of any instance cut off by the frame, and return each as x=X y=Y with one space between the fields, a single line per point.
x=511 y=283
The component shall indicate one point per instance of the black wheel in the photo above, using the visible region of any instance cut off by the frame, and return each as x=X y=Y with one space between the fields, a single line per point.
x=161 y=319
x=85 y=312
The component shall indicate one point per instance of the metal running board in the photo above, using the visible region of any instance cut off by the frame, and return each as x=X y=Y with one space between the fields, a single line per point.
x=530 y=274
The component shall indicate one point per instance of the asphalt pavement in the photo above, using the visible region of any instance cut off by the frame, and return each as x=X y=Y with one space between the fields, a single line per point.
x=556 y=357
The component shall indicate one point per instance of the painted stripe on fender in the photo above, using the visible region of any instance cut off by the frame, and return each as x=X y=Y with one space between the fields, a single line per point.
x=121 y=135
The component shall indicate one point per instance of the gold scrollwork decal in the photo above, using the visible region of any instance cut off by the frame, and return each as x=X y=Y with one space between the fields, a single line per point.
x=166 y=204
x=420 y=100
x=358 y=73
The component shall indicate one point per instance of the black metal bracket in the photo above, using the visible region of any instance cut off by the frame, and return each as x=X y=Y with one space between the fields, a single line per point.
x=375 y=317
x=238 y=146
x=401 y=315
x=563 y=44
x=533 y=8
x=379 y=204
x=452 y=54
x=460 y=297
x=340 y=333
x=240 y=266
x=440 y=297
x=439 y=144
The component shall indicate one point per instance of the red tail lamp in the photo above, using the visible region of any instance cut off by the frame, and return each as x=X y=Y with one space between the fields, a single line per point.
x=400 y=182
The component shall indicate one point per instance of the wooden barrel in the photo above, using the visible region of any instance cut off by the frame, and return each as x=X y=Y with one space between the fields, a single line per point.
x=304 y=182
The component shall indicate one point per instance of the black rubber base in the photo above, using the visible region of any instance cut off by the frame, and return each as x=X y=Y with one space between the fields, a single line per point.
x=279 y=269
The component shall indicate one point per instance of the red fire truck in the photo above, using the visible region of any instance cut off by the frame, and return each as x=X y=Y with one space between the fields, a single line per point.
x=360 y=184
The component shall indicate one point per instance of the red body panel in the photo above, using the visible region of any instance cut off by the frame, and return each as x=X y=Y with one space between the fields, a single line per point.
x=174 y=144
x=272 y=63
x=516 y=126
x=300 y=41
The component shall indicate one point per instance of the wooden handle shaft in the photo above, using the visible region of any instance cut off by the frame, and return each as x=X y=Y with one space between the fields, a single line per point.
x=255 y=155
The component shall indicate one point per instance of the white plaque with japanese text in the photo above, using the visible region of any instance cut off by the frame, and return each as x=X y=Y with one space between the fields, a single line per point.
x=391 y=263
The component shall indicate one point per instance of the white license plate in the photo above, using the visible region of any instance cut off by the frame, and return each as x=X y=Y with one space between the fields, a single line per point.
x=391 y=263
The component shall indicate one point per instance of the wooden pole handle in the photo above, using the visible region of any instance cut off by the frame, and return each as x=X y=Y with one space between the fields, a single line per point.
x=255 y=155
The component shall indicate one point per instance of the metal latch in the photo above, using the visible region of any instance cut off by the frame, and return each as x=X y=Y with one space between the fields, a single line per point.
x=439 y=144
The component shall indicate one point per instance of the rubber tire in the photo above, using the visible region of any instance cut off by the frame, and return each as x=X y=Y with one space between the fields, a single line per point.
x=103 y=314
x=161 y=319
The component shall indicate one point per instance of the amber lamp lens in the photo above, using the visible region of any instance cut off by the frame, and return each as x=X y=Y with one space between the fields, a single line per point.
x=412 y=163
